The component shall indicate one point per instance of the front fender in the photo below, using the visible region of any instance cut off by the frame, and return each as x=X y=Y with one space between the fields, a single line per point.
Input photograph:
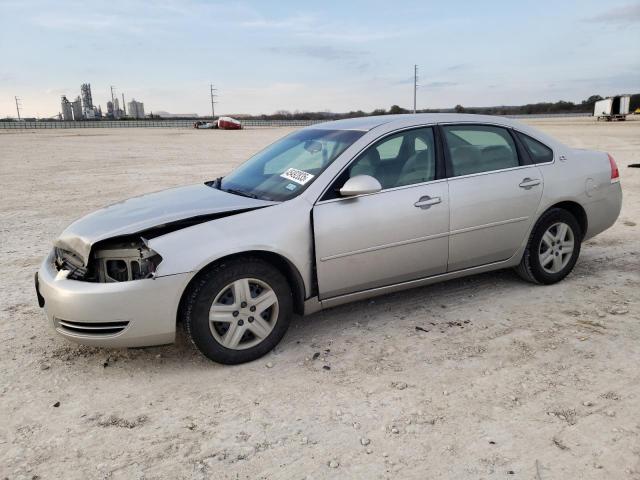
x=284 y=229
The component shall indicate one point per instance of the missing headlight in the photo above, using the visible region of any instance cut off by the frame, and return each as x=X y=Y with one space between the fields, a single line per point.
x=117 y=270
x=121 y=262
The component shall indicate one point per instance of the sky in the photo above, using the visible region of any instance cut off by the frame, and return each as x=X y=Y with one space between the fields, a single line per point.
x=265 y=56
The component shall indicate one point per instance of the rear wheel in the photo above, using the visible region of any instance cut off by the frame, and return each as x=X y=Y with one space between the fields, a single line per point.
x=238 y=311
x=553 y=248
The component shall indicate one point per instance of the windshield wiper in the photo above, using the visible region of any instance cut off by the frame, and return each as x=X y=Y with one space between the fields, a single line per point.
x=241 y=193
x=217 y=183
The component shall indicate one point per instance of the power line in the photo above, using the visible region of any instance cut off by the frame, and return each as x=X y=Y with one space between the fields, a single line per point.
x=213 y=102
x=18 y=106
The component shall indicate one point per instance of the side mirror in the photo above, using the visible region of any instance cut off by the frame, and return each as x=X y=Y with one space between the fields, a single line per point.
x=359 y=185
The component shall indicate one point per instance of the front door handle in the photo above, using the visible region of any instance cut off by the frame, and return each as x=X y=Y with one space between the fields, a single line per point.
x=528 y=183
x=426 y=202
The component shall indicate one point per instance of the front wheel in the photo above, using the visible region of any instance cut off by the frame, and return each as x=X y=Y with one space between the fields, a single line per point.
x=238 y=310
x=553 y=248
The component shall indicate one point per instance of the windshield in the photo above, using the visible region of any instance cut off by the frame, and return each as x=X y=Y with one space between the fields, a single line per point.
x=284 y=169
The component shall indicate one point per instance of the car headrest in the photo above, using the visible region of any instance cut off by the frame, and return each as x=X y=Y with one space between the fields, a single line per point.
x=367 y=164
x=420 y=167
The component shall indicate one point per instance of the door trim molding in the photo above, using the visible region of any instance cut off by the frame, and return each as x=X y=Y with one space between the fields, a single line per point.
x=487 y=225
x=386 y=245
x=422 y=239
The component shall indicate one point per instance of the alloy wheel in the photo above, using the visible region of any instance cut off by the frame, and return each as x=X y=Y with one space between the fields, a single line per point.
x=243 y=314
x=556 y=247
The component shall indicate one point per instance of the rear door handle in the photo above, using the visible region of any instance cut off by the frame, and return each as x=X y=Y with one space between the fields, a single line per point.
x=426 y=202
x=527 y=183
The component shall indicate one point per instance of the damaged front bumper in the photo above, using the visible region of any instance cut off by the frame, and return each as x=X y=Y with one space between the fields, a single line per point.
x=119 y=314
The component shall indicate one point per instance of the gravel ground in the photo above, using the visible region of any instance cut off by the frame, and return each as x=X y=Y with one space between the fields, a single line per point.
x=485 y=377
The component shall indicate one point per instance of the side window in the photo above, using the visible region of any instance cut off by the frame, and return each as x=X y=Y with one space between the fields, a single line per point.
x=420 y=145
x=479 y=148
x=538 y=152
x=390 y=149
x=402 y=159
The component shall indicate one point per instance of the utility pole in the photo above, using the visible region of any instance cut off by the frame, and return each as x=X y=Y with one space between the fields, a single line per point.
x=213 y=102
x=415 y=86
x=17 y=106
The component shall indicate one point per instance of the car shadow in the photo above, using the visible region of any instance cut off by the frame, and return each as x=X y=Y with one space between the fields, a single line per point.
x=407 y=303
x=316 y=329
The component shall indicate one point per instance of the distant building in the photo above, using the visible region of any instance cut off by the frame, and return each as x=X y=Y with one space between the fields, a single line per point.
x=110 y=109
x=87 y=100
x=65 y=105
x=117 y=111
x=76 y=108
x=136 y=109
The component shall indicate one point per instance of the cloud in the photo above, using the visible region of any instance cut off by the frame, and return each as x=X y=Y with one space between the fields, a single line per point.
x=55 y=91
x=623 y=14
x=6 y=77
x=439 y=84
x=409 y=81
x=621 y=80
x=350 y=57
x=402 y=81
x=311 y=26
x=457 y=67
x=324 y=52
x=298 y=23
x=96 y=22
x=73 y=22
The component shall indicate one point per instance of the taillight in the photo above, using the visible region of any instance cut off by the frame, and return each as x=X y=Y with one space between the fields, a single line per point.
x=615 y=173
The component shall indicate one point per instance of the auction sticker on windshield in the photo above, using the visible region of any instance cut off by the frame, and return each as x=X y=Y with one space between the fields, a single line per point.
x=299 y=176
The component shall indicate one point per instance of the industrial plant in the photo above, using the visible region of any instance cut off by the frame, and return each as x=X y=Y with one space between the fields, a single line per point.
x=136 y=109
x=83 y=108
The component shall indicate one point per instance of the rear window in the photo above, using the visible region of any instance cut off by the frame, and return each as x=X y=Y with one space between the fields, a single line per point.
x=479 y=148
x=538 y=151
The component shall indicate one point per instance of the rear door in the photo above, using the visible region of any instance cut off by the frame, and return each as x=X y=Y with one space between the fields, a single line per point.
x=395 y=235
x=494 y=193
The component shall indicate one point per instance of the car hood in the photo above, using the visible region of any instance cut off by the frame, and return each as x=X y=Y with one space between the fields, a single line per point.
x=153 y=210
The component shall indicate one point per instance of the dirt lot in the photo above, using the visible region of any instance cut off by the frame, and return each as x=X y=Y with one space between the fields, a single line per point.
x=509 y=380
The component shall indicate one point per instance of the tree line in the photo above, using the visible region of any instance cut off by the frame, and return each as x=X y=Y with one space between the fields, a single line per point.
x=586 y=106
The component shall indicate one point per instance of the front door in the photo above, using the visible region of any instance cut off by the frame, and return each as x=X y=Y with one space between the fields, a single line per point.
x=493 y=194
x=395 y=235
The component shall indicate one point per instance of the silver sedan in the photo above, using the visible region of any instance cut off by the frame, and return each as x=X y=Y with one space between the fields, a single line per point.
x=333 y=213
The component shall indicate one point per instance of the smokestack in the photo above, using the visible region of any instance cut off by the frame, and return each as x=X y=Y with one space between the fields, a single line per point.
x=124 y=108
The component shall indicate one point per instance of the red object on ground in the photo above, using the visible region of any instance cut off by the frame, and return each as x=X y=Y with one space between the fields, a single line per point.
x=228 y=123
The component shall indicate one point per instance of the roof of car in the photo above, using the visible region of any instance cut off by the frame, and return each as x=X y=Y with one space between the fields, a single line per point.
x=367 y=123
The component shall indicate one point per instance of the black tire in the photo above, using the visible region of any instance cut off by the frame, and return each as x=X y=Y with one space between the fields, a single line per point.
x=530 y=267
x=204 y=290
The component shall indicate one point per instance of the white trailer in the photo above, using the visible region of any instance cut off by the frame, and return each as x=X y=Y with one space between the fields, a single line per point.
x=612 y=108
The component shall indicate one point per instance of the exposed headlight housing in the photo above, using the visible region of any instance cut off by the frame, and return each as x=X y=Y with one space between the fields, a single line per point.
x=125 y=262
x=111 y=262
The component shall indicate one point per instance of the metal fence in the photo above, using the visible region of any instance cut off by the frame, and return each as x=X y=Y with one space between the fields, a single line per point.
x=31 y=124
